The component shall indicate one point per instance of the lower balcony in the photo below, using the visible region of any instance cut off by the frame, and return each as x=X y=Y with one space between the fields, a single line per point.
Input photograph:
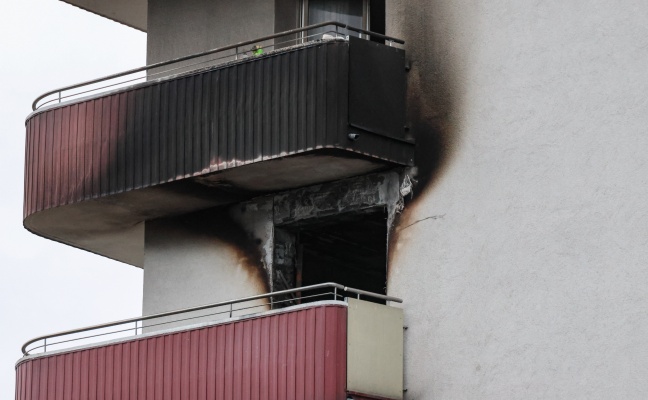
x=332 y=347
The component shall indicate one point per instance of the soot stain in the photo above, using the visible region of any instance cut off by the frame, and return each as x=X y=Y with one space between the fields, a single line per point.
x=431 y=106
x=218 y=224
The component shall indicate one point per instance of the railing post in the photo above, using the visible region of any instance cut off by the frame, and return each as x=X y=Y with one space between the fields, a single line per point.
x=135 y=328
x=230 y=310
x=45 y=346
x=335 y=293
x=59 y=97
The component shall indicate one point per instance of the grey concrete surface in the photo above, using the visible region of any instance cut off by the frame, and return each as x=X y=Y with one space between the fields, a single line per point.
x=522 y=262
x=132 y=13
x=179 y=28
x=185 y=267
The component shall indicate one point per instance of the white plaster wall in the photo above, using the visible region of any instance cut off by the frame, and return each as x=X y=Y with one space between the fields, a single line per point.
x=530 y=280
x=186 y=268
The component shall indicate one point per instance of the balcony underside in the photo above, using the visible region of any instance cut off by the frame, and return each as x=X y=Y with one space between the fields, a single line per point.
x=98 y=167
x=111 y=225
x=132 y=13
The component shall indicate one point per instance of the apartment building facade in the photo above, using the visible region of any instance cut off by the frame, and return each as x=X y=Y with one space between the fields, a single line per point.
x=355 y=199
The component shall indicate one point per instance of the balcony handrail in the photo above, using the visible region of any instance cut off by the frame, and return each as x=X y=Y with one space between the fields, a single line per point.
x=213 y=51
x=328 y=285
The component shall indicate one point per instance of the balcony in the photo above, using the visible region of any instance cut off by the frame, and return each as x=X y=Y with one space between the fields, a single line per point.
x=323 y=349
x=101 y=160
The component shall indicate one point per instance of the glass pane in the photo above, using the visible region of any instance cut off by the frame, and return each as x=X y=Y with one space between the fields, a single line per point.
x=345 y=11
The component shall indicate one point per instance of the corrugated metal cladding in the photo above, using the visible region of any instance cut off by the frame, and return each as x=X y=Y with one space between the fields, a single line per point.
x=367 y=83
x=293 y=355
x=267 y=107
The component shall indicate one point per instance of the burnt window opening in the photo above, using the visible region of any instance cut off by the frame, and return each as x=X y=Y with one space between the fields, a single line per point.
x=349 y=249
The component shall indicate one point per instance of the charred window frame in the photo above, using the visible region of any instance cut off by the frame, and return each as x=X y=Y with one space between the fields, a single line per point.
x=335 y=232
x=349 y=248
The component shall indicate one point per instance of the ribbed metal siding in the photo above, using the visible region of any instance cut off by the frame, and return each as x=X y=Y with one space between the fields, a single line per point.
x=294 y=355
x=251 y=111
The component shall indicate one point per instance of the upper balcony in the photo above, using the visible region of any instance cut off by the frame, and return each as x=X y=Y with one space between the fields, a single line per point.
x=211 y=129
x=324 y=349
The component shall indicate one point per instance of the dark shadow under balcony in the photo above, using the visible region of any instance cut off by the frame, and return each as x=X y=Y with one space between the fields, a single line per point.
x=98 y=166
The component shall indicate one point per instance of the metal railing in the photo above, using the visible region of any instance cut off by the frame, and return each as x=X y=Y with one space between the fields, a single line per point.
x=303 y=37
x=295 y=295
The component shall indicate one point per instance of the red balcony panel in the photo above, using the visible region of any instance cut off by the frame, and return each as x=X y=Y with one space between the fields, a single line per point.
x=298 y=354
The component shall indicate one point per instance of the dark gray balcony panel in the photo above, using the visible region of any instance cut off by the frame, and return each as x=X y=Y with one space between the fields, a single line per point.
x=376 y=72
x=99 y=166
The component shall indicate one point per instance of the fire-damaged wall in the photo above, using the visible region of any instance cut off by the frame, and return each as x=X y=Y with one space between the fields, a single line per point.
x=522 y=261
x=253 y=247
x=522 y=257
x=335 y=232
x=197 y=259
